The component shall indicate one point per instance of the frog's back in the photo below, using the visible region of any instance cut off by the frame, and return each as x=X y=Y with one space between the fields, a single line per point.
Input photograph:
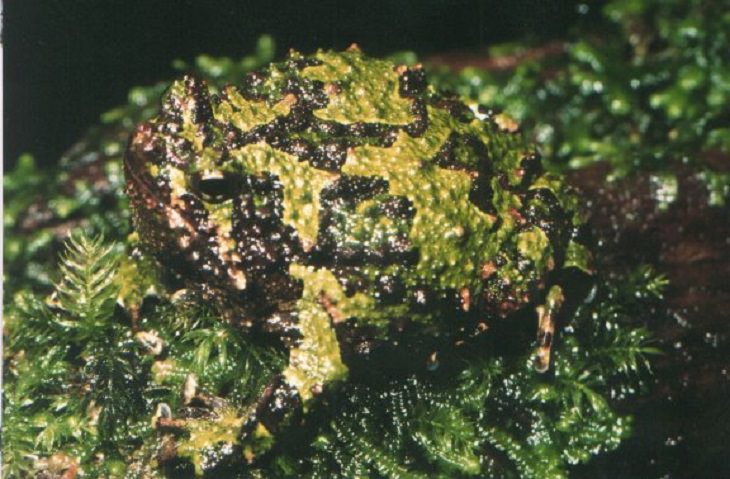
x=349 y=182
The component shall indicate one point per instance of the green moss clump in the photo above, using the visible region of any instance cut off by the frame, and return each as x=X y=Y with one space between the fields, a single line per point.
x=78 y=384
x=646 y=87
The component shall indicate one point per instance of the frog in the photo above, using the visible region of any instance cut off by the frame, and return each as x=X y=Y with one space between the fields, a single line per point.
x=334 y=200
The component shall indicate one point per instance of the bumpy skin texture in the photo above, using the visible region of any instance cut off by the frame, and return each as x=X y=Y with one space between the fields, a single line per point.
x=336 y=193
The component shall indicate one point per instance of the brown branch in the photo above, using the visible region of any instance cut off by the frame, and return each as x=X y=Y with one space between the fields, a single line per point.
x=460 y=60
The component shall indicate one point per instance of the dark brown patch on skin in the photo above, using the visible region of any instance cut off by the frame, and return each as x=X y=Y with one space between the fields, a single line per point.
x=351 y=279
x=349 y=189
x=283 y=325
x=389 y=138
x=279 y=405
x=356 y=342
x=531 y=166
x=298 y=147
x=423 y=300
x=420 y=124
x=397 y=207
x=446 y=157
x=252 y=85
x=194 y=209
x=498 y=296
x=464 y=153
x=542 y=209
x=342 y=197
x=481 y=193
x=456 y=108
x=266 y=246
x=329 y=128
x=389 y=289
x=412 y=82
x=330 y=155
x=299 y=119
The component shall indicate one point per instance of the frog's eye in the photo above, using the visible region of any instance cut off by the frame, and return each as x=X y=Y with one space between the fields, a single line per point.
x=215 y=187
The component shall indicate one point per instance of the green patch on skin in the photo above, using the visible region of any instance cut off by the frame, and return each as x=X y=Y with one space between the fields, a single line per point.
x=534 y=245
x=221 y=215
x=153 y=170
x=451 y=233
x=554 y=298
x=316 y=360
x=362 y=89
x=246 y=115
x=207 y=159
x=177 y=179
x=302 y=185
x=555 y=185
x=504 y=150
x=207 y=434
x=190 y=131
x=366 y=227
x=578 y=256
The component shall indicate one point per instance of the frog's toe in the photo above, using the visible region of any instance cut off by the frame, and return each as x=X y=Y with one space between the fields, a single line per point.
x=546 y=327
x=544 y=345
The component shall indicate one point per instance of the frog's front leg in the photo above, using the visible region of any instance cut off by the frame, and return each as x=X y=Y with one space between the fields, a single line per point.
x=314 y=362
x=546 y=314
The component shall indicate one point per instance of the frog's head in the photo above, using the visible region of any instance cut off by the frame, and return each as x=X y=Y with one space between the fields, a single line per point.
x=208 y=222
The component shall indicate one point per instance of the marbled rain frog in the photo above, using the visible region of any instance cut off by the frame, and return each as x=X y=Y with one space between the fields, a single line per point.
x=328 y=198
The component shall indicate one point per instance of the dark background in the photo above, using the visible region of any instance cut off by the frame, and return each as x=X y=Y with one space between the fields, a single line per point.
x=67 y=61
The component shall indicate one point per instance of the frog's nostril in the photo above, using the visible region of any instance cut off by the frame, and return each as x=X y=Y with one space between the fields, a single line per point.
x=215 y=186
